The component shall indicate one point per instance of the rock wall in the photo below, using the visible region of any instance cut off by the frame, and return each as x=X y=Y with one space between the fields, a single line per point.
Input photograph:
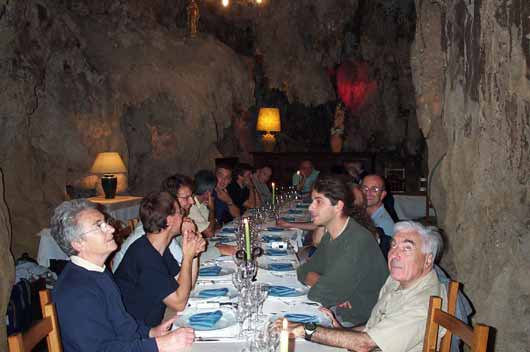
x=80 y=78
x=7 y=274
x=471 y=64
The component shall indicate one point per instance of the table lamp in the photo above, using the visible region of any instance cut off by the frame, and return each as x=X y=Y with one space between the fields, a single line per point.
x=108 y=164
x=269 y=121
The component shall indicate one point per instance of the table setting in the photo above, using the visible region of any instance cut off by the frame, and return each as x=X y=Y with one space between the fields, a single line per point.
x=236 y=300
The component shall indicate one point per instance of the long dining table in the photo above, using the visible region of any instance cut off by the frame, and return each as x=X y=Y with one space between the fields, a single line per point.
x=276 y=268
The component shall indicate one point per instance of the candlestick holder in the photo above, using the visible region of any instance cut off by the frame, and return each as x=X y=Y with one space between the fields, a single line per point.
x=256 y=252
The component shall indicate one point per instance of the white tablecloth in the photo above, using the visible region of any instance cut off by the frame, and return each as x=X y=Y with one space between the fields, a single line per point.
x=274 y=306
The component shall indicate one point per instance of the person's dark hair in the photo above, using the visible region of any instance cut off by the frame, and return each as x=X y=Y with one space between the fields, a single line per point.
x=154 y=209
x=173 y=183
x=224 y=165
x=205 y=181
x=240 y=169
x=336 y=188
x=338 y=170
x=64 y=225
x=360 y=215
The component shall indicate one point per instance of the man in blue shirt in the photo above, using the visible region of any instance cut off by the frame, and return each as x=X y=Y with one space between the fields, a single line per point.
x=225 y=208
x=373 y=186
x=305 y=177
x=147 y=275
x=90 y=311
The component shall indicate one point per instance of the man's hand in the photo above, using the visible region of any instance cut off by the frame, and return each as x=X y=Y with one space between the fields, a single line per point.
x=163 y=329
x=175 y=340
x=311 y=279
x=295 y=329
x=187 y=225
x=192 y=244
x=345 y=305
x=223 y=195
x=283 y=223
x=334 y=322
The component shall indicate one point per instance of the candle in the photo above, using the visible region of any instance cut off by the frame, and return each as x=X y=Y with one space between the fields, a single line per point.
x=247 y=238
x=284 y=337
x=298 y=172
x=273 y=194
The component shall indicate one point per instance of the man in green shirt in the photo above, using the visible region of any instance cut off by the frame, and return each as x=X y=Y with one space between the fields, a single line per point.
x=348 y=265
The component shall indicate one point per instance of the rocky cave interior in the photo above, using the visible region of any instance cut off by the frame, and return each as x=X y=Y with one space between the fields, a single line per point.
x=445 y=83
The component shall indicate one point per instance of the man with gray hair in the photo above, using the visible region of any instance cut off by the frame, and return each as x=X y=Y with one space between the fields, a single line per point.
x=397 y=321
x=90 y=310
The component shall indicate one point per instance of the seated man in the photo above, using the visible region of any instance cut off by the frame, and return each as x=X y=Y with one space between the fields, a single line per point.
x=347 y=265
x=242 y=190
x=202 y=214
x=91 y=314
x=397 y=321
x=305 y=177
x=147 y=275
x=260 y=178
x=225 y=209
x=373 y=186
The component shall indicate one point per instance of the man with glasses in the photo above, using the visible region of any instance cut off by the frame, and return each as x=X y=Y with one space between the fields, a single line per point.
x=373 y=186
x=90 y=310
x=149 y=277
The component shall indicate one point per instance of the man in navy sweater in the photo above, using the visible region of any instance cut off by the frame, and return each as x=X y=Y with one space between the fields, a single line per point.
x=91 y=314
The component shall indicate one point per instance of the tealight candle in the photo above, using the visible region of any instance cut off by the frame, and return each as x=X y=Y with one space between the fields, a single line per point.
x=247 y=238
x=273 y=194
x=284 y=337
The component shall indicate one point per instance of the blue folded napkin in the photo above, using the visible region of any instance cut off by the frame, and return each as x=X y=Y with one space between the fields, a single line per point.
x=282 y=291
x=268 y=238
x=223 y=239
x=210 y=271
x=288 y=219
x=228 y=230
x=275 y=229
x=275 y=252
x=213 y=292
x=205 y=320
x=301 y=318
x=303 y=205
x=281 y=266
x=295 y=211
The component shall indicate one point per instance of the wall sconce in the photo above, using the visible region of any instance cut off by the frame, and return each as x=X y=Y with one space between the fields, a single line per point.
x=269 y=121
x=108 y=164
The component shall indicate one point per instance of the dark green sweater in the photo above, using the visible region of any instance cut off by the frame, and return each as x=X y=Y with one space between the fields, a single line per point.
x=351 y=268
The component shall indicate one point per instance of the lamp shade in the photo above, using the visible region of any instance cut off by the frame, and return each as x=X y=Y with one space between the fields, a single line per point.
x=108 y=163
x=269 y=120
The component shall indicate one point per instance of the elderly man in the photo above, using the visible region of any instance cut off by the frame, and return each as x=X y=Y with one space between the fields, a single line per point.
x=149 y=277
x=397 y=321
x=225 y=208
x=91 y=314
x=260 y=178
x=305 y=177
x=373 y=186
x=347 y=265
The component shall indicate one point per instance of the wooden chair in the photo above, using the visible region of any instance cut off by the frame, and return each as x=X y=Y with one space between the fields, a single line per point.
x=476 y=338
x=46 y=328
x=452 y=296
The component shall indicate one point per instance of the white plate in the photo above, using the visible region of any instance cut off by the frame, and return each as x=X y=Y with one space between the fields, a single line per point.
x=227 y=320
x=300 y=291
x=230 y=294
x=309 y=310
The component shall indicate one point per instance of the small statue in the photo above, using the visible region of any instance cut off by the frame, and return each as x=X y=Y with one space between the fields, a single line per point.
x=193 y=18
x=337 y=130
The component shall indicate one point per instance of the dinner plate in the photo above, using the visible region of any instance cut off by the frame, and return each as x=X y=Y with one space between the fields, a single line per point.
x=227 y=320
x=298 y=291
x=196 y=294
x=302 y=309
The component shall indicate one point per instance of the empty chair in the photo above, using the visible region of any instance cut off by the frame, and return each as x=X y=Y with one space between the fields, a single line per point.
x=46 y=328
x=476 y=338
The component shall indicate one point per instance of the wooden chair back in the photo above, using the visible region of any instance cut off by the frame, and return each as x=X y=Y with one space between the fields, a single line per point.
x=476 y=338
x=47 y=328
x=452 y=297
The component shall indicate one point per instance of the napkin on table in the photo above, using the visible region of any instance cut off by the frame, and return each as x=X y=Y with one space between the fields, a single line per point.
x=205 y=320
x=268 y=238
x=295 y=211
x=213 y=292
x=281 y=266
x=275 y=229
x=282 y=291
x=301 y=318
x=210 y=271
x=275 y=252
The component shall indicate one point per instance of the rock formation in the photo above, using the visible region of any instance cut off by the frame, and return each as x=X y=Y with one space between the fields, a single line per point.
x=471 y=65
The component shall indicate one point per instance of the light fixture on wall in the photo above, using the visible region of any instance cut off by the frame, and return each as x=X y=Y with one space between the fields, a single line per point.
x=108 y=164
x=269 y=121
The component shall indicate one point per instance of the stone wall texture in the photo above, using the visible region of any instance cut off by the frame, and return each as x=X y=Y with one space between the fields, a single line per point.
x=471 y=65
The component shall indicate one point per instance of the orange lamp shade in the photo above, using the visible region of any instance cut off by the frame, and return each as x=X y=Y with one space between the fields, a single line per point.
x=108 y=163
x=269 y=120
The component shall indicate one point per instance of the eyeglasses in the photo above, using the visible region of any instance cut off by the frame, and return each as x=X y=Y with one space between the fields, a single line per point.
x=189 y=196
x=102 y=225
x=373 y=189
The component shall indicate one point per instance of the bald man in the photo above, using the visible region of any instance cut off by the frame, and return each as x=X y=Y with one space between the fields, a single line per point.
x=373 y=187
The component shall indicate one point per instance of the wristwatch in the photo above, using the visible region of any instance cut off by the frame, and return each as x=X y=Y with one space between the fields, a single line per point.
x=309 y=330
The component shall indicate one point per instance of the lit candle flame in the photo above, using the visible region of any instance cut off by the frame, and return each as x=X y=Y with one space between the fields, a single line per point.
x=298 y=172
